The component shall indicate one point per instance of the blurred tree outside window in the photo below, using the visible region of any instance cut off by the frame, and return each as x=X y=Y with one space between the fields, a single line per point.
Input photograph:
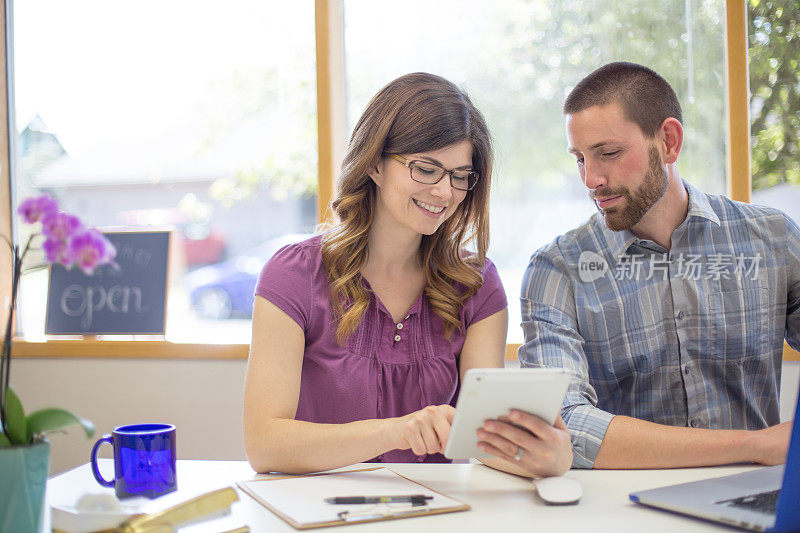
x=774 y=54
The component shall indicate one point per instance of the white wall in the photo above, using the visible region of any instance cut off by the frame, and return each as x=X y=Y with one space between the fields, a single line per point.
x=202 y=398
x=790 y=383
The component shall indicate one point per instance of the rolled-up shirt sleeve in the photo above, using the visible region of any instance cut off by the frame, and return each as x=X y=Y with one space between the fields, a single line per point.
x=793 y=285
x=552 y=340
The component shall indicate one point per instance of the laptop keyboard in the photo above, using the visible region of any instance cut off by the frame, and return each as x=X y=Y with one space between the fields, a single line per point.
x=764 y=502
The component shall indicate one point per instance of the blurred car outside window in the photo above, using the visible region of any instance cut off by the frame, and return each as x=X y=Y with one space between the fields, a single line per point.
x=226 y=290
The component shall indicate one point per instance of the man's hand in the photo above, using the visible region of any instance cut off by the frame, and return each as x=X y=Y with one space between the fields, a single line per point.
x=771 y=445
x=528 y=442
x=633 y=443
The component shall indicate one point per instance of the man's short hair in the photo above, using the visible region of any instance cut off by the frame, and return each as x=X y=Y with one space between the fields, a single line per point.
x=645 y=97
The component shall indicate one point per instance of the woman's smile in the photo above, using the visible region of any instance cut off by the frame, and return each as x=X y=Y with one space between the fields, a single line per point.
x=430 y=209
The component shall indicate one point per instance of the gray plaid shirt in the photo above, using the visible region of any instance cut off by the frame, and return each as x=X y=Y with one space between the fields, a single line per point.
x=692 y=336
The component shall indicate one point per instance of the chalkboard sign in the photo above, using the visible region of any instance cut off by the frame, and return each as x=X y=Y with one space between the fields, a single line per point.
x=126 y=299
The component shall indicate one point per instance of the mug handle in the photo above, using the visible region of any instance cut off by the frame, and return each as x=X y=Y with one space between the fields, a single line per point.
x=95 y=470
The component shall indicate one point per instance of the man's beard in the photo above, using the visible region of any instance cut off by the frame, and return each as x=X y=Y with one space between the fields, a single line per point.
x=637 y=205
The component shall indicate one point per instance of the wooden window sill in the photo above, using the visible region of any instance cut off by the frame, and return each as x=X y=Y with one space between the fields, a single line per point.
x=93 y=348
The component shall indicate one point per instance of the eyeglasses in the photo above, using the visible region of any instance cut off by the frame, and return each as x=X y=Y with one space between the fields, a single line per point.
x=430 y=173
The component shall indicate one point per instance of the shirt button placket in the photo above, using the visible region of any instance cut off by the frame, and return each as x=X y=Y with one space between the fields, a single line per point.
x=397 y=328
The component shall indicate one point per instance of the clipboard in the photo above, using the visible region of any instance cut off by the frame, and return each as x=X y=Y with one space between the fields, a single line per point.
x=300 y=500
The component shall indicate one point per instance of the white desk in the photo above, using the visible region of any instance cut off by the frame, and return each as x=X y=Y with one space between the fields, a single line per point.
x=500 y=502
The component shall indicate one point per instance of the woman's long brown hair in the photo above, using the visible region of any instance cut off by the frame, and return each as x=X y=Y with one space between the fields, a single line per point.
x=415 y=113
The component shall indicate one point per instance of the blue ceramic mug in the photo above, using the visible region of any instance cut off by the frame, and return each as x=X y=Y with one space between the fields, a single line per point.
x=144 y=460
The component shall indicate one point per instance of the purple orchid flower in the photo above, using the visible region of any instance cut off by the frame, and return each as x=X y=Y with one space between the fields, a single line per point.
x=37 y=208
x=90 y=249
x=61 y=226
x=57 y=251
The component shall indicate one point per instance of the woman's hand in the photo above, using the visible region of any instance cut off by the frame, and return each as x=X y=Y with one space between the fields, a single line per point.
x=530 y=443
x=424 y=431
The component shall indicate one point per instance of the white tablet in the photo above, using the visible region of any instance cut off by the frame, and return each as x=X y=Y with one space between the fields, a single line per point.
x=488 y=393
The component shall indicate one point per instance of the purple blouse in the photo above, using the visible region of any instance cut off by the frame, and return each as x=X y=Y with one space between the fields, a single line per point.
x=385 y=369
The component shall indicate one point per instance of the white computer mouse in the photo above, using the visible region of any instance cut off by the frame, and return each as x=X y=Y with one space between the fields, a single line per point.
x=558 y=490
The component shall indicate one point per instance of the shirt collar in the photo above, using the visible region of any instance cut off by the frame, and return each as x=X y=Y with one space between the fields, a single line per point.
x=620 y=241
x=699 y=205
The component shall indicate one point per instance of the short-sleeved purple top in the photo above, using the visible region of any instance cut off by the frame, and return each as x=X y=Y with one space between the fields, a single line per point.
x=385 y=369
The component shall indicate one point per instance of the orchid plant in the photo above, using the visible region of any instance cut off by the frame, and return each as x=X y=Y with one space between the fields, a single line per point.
x=69 y=243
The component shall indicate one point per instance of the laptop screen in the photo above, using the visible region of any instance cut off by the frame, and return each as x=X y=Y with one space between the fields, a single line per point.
x=788 y=519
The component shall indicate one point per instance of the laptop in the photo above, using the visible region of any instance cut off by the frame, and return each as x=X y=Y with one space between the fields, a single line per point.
x=766 y=499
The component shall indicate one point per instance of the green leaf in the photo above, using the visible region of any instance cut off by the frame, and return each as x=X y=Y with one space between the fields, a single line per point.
x=15 y=419
x=4 y=442
x=47 y=420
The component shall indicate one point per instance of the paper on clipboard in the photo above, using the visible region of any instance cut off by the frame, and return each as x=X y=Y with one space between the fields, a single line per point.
x=300 y=500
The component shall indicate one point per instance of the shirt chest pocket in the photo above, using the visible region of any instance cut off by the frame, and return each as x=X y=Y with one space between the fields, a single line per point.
x=738 y=323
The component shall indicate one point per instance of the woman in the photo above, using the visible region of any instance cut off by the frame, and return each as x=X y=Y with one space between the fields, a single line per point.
x=360 y=335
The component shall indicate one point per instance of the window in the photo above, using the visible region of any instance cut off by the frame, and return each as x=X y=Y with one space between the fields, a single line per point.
x=518 y=59
x=196 y=116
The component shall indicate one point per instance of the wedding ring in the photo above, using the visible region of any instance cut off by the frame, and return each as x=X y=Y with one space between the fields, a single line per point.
x=518 y=455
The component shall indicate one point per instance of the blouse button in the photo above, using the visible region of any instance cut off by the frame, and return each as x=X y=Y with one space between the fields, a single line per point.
x=399 y=325
x=397 y=338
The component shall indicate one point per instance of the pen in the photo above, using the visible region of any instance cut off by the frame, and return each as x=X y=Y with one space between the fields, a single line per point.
x=413 y=499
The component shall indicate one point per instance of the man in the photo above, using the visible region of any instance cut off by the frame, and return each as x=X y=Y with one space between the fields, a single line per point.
x=670 y=305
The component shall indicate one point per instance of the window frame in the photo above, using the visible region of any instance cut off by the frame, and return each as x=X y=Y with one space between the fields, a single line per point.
x=329 y=32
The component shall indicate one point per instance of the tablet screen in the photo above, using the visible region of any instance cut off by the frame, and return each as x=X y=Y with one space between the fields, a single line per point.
x=488 y=393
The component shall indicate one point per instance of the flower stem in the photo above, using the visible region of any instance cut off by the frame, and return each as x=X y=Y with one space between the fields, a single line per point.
x=5 y=357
